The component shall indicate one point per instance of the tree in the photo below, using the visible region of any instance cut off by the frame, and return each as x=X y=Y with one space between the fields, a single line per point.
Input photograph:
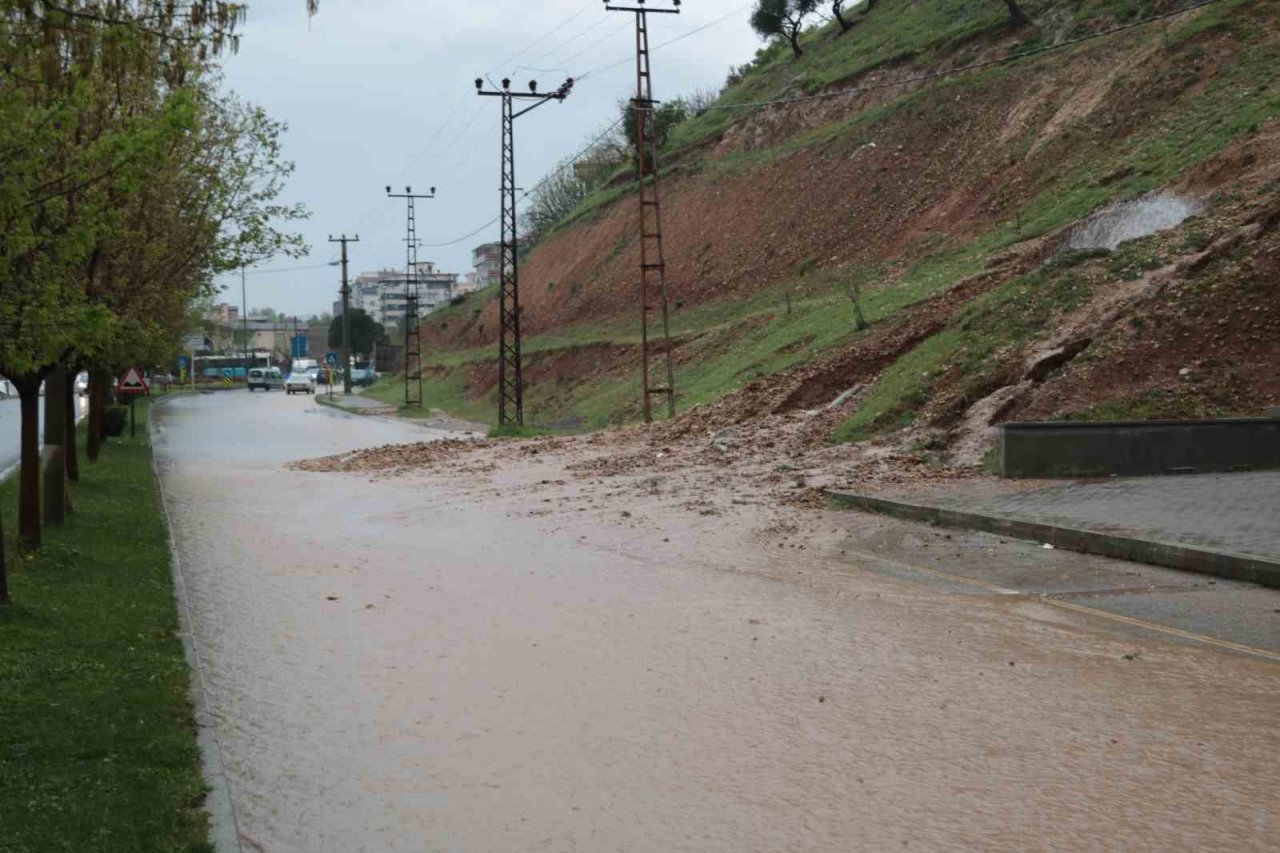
x=126 y=183
x=783 y=19
x=572 y=180
x=837 y=12
x=366 y=333
x=666 y=116
x=552 y=199
x=1017 y=17
x=853 y=290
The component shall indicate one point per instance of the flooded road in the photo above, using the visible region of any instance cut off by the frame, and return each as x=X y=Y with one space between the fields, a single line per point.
x=503 y=658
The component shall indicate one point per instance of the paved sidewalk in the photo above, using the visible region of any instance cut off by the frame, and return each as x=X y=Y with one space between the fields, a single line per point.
x=1216 y=523
x=356 y=403
x=1230 y=512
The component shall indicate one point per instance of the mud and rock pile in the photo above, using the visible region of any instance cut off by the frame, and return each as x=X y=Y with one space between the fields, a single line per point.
x=394 y=457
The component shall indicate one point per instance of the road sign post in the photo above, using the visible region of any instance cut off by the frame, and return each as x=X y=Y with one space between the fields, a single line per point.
x=330 y=359
x=131 y=385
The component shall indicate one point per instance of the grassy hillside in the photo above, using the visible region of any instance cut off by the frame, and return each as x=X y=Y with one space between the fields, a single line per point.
x=908 y=190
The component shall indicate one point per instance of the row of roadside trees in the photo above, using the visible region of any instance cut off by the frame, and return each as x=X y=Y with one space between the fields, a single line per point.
x=128 y=180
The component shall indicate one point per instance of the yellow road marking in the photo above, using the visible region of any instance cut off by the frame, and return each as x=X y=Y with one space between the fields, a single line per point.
x=1078 y=608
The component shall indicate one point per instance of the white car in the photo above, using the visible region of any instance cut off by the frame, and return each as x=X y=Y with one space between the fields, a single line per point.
x=299 y=383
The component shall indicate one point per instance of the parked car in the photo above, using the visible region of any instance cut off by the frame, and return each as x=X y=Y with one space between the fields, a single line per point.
x=299 y=383
x=82 y=384
x=265 y=378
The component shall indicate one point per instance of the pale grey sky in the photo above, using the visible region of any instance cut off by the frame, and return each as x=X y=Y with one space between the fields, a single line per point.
x=379 y=93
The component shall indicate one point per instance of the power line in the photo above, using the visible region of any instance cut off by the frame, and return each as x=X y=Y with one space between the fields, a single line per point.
x=578 y=81
x=287 y=269
x=598 y=41
x=975 y=66
x=568 y=163
x=567 y=41
x=572 y=17
x=415 y=159
x=627 y=59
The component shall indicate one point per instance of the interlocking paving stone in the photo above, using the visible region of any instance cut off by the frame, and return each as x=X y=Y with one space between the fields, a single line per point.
x=1238 y=513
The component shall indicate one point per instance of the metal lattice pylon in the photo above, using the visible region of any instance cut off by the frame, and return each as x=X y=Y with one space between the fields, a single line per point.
x=412 y=331
x=510 y=380
x=653 y=282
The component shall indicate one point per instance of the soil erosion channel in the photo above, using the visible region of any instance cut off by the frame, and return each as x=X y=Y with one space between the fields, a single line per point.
x=501 y=657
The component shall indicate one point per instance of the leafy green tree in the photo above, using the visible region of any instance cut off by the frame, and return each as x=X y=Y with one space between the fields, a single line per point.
x=126 y=184
x=666 y=116
x=366 y=333
x=782 y=19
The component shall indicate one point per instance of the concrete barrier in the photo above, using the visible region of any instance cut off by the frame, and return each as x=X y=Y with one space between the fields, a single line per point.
x=1136 y=448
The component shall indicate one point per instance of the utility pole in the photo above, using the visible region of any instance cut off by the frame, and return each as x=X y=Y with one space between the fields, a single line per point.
x=412 y=334
x=346 y=315
x=244 y=323
x=653 y=285
x=510 y=381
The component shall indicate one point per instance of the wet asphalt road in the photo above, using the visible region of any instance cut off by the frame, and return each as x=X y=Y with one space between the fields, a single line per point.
x=427 y=663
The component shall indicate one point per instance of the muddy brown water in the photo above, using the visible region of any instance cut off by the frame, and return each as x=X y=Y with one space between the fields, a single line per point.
x=459 y=662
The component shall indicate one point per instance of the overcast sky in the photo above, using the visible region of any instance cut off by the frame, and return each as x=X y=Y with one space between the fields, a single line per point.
x=383 y=92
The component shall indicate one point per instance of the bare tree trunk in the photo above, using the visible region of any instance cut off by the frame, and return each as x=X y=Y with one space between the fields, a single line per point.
x=54 y=458
x=29 y=466
x=793 y=36
x=845 y=26
x=97 y=400
x=1017 y=17
x=73 y=461
x=4 y=580
x=854 y=292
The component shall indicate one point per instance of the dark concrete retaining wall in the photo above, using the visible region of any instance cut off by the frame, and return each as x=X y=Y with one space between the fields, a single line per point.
x=1130 y=448
x=1186 y=557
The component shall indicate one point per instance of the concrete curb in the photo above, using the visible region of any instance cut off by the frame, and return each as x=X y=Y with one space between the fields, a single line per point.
x=224 y=828
x=385 y=409
x=1188 y=558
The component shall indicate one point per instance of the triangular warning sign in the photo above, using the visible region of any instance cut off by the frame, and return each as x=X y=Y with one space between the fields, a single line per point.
x=132 y=383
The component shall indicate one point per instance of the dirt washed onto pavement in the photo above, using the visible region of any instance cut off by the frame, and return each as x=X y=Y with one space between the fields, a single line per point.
x=675 y=657
x=622 y=643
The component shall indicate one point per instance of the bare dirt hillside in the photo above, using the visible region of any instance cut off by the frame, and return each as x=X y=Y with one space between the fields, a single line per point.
x=954 y=203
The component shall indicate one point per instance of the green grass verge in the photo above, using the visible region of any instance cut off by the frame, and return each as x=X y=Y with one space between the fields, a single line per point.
x=97 y=741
